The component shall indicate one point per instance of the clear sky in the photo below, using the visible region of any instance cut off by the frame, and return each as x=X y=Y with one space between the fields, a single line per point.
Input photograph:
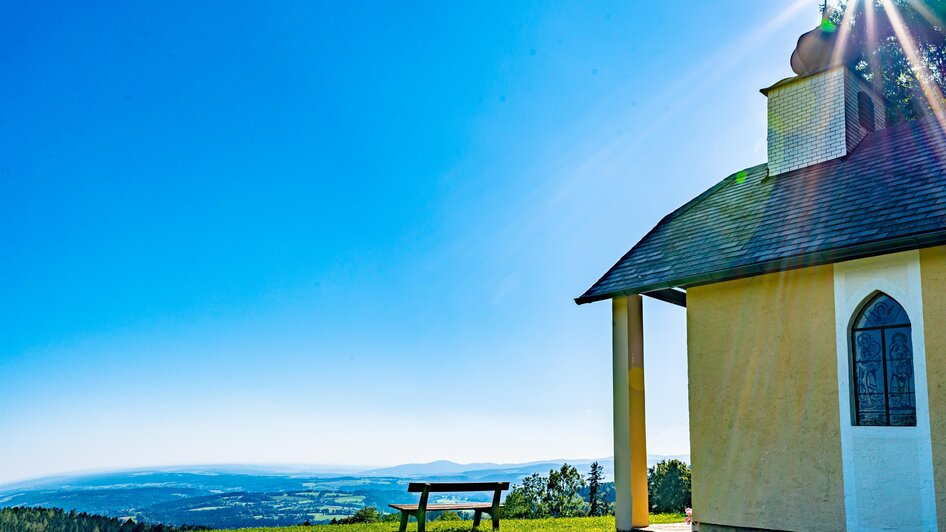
x=350 y=233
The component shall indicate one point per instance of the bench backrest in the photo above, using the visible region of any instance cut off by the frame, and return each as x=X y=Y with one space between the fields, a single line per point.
x=442 y=487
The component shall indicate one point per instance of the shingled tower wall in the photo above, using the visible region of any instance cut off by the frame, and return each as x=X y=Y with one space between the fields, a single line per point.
x=817 y=118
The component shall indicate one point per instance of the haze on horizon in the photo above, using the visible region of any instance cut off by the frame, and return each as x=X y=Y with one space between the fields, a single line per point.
x=338 y=234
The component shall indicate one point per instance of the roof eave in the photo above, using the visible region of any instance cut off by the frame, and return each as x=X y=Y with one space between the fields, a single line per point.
x=819 y=258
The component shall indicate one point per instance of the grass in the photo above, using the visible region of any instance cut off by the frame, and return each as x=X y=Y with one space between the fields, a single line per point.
x=589 y=524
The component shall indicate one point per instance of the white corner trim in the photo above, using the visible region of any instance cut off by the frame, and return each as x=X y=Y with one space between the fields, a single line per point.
x=884 y=467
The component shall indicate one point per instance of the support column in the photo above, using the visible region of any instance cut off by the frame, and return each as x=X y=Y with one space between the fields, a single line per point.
x=622 y=430
x=630 y=442
x=635 y=377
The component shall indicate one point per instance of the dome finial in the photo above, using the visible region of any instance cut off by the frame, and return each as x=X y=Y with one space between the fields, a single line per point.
x=815 y=50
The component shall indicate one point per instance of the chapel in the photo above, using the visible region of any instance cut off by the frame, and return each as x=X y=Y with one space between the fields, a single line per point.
x=815 y=294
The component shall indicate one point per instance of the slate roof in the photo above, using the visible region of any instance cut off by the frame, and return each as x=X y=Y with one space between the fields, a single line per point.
x=888 y=195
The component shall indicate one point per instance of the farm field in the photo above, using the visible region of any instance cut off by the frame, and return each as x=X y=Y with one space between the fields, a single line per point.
x=589 y=524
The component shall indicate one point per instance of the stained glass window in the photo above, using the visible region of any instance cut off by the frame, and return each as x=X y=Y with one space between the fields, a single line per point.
x=883 y=365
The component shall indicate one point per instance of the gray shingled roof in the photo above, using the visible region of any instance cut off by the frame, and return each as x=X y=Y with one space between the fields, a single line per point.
x=888 y=195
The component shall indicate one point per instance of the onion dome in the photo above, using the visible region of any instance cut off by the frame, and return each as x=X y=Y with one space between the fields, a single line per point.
x=818 y=50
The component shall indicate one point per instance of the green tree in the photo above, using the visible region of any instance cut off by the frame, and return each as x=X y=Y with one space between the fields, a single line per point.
x=449 y=515
x=899 y=46
x=526 y=500
x=368 y=514
x=562 y=495
x=515 y=505
x=595 y=476
x=668 y=486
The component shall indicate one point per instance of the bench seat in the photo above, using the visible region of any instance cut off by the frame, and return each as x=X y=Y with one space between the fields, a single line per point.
x=442 y=507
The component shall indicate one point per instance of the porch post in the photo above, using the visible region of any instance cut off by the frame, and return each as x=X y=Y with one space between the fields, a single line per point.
x=630 y=442
x=635 y=376
x=622 y=430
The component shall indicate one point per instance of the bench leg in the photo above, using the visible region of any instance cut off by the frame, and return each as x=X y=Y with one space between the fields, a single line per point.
x=495 y=516
x=422 y=520
x=404 y=517
x=477 y=515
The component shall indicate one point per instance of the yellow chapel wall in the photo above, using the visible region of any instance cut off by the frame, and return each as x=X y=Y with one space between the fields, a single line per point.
x=763 y=394
x=933 y=278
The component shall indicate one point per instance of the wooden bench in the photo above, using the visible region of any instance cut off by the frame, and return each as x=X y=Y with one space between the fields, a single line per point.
x=420 y=510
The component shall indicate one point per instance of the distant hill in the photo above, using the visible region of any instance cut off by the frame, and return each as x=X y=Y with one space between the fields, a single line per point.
x=242 y=496
x=482 y=470
x=439 y=467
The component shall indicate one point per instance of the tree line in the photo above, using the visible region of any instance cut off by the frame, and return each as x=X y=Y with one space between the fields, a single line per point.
x=23 y=519
x=566 y=493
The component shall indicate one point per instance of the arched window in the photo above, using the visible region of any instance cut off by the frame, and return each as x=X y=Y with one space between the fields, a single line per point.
x=883 y=365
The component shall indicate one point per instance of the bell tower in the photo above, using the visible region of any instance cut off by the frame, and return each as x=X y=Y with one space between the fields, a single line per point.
x=826 y=110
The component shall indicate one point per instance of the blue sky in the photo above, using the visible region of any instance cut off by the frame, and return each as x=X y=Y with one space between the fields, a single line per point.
x=279 y=232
